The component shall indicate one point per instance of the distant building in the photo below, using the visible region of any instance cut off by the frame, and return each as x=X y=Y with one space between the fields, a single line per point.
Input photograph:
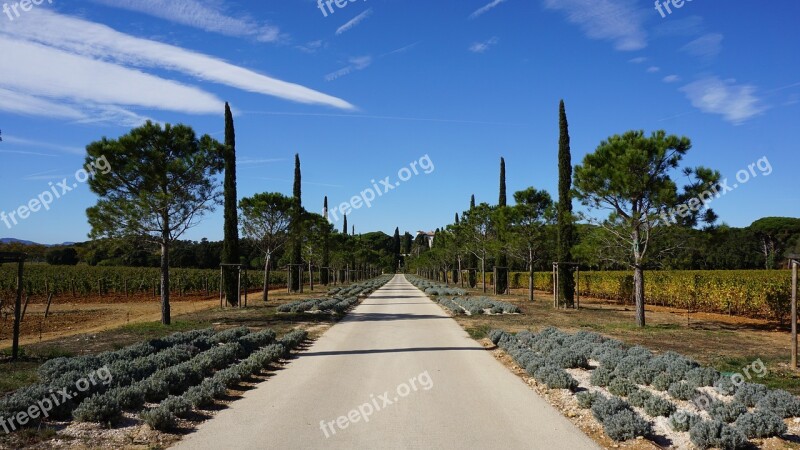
x=429 y=235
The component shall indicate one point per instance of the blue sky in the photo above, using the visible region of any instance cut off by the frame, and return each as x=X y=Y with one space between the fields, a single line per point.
x=371 y=87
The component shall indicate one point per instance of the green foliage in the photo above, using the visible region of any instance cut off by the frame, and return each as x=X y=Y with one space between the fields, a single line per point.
x=622 y=387
x=100 y=409
x=658 y=407
x=586 y=399
x=705 y=434
x=566 y=226
x=780 y=403
x=761 y=424
x=682 y=391
x=555 y=378
x=159 y=418
x=726 y=412
x=683 y=420
x=626 y=425
x=230 y=243
x=159 y=183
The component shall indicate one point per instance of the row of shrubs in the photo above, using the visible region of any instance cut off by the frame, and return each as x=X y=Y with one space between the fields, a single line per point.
x=461 y=304
x=341 y=298
x=124 y=365
x=336 y=305
x=362 y=288
x=165 y=416
x=630 y=374
x=479 y=305
x=172 y=365
x=434 y=288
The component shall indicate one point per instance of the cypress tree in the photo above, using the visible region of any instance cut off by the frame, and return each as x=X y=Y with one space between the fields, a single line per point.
x=409 y=241
x=396 y=245
x=297 y=230
x=566 y=228
x=230 y=243
x=457 y=222
x=502 y=199
x=344 y=227
x=326 y=249
x=473 y=260
x=502 y=260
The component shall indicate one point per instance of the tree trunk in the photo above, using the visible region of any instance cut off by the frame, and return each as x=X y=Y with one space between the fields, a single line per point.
x=530 y=281
x=311 y=276
x=483 y=272
x=165 y=317
x=638 y=288
x=266 y=277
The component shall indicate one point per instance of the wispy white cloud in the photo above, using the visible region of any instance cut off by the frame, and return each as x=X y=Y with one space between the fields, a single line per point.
x=100 y=75
x=21 y=152
x=257 y=162
x=200 y=15
x=671 y=79
x=482 y=47
x=313 y=46
x=401 y=49
x=356 y=63
x=735 y=102
x=638 y=60
x=705 y=47
x=19 y=103
x=23 y=142
x=352 y=23
x=618 y=21
x=484 y=9
x=653 y=69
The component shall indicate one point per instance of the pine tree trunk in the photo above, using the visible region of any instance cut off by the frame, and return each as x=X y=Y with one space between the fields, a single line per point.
x=530 y=281
x=483 y=272
x=266 y=277
x=638 y=287
x=165 y=314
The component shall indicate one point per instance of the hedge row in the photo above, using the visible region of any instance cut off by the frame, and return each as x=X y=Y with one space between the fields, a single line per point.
x=145 y=372
x=635 y=377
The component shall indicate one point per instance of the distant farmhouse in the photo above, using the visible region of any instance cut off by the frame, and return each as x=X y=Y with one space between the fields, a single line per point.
x=429 y=235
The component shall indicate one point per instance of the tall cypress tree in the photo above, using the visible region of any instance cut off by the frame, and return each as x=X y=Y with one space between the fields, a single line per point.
x=230 y=243
x=502 y=260
x=297 y=227
x=457 y=221
x=566 y=227
x=396 y=245
x=473 y=260
x=344 y=226
x=326 y=246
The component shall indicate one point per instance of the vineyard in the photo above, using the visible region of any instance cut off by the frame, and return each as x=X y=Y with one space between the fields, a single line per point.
x=92 y=281
x=752 y=293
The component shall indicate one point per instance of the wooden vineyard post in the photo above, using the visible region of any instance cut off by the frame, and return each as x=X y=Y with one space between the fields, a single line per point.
x=47 y=309
x=220 y=287
x=17 y=310
x=18 y=258
x=794 y=261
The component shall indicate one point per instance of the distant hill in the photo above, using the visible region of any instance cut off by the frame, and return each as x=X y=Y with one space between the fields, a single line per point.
x=20 y=241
